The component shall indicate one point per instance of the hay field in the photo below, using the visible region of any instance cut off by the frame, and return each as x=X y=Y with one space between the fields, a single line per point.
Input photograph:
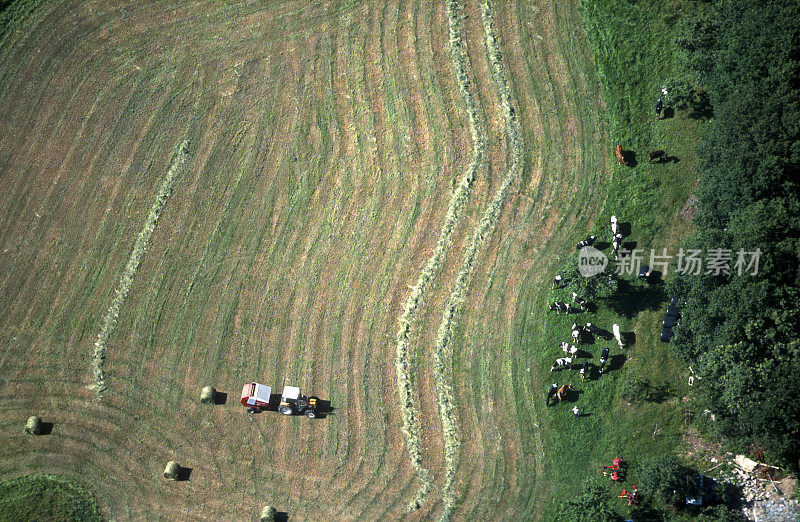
x=326 y=141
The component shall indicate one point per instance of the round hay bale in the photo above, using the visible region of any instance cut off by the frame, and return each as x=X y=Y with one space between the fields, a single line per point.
x=268 y=514
x=208 y=395
x=172 y=471
x=34 y=425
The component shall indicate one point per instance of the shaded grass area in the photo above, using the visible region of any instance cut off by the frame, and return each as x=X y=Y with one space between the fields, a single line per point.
x=13 y=13
x=631 y=44
x=46 y=497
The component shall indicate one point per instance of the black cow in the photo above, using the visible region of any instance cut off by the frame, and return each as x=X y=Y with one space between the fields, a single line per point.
x=657 y=155
x=589 y=241
x=593 y=328
x=551 y=392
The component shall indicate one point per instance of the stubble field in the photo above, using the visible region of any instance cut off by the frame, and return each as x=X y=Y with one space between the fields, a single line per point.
x=325 y=144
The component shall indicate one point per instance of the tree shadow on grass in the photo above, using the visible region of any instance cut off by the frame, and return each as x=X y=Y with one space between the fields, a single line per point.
x=659 y=394
x=701 y=108
x=630 y=299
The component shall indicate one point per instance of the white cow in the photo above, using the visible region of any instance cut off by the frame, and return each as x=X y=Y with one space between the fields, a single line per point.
x=614 y=225
x=618 y=335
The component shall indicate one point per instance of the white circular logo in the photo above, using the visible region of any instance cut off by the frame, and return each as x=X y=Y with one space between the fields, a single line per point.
x=591 y=261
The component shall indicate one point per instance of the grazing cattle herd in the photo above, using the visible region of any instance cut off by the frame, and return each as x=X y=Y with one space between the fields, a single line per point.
x=584 y=334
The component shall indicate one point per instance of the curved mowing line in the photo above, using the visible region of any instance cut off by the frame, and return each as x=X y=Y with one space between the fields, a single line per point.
x=443 y=352
x=411 y=422
x=126 y=279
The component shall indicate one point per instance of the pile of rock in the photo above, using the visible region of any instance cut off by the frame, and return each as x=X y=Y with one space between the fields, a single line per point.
x=776 y=511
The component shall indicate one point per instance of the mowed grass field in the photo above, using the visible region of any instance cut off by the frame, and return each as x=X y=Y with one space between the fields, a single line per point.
x=326 y=140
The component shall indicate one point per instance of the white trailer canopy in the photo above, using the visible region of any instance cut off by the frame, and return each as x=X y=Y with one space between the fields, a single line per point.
x=263 y=392
x=291 y=392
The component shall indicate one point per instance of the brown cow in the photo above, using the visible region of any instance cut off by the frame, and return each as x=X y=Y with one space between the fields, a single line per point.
x=620 y=155
x=563 y=391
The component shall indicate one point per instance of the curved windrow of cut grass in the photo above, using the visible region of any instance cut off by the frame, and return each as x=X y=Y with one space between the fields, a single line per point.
x=486 y=226
x=126 y=279
x=411 y=423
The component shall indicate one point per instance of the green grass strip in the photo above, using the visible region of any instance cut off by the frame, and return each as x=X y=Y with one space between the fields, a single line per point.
x=444 y=336
x=455 y=211
x=46 y=497
x=126 y=279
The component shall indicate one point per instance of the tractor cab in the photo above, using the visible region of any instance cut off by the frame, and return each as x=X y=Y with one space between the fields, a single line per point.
x=255 y=396
x=292 y=401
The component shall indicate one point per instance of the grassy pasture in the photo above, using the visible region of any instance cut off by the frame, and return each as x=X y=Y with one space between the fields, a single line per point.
x=326 y=140
x=632 y=44
x=46 y=497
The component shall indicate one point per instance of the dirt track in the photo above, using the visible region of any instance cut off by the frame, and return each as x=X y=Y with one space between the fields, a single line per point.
x=325 y=141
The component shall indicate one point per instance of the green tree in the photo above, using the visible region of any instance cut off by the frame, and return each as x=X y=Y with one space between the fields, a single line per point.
x=741 y=331
x=592 y=505
x=668 y=481
x=590 y=288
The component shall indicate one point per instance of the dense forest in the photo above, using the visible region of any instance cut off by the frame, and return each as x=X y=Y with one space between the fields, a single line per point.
x=741 y=327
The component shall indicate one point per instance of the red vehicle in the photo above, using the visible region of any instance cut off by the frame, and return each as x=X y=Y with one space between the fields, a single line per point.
x=256 y=398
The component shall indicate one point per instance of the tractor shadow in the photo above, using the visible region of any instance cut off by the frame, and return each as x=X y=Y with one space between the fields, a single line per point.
x=324 y=408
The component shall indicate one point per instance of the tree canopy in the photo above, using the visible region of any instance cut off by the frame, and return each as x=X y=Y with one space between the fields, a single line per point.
x=741 y=331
